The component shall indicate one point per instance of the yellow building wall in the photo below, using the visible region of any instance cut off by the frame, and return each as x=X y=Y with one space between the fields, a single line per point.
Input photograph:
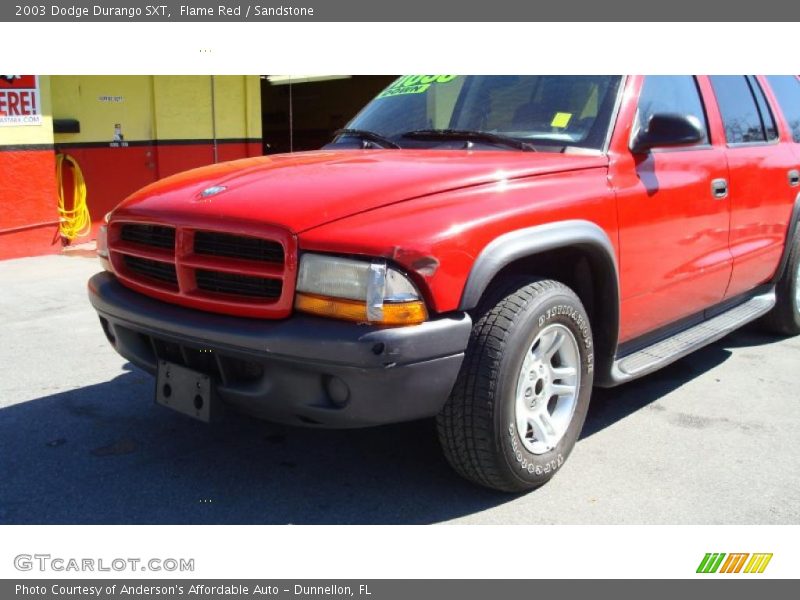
x=99 y=102
x=183 y=107
x=164 y=107
x=253 y=91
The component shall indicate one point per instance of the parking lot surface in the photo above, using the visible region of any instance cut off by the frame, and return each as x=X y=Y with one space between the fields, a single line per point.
x=711 y=439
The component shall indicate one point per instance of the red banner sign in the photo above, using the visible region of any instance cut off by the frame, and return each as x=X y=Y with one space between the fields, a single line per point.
x=19 y=101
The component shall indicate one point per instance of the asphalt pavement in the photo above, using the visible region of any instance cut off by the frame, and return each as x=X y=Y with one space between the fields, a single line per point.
x=711 y=439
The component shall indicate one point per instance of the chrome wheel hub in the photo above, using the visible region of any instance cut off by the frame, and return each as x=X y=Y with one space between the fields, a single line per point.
x=547 y=388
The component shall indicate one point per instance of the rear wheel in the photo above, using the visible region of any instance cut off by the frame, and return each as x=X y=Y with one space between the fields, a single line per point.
x=784 y=318
x=521 y=397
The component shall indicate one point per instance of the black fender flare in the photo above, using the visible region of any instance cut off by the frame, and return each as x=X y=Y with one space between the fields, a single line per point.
x=794 y=224
x=526 y=243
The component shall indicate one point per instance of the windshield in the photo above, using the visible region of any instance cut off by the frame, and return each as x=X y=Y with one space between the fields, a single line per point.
x=550 y=112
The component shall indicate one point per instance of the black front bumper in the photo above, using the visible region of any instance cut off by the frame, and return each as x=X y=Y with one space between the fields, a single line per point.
x=302 y=370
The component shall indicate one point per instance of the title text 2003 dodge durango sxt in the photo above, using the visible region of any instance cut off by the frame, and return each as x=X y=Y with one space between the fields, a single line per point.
x=482 y=249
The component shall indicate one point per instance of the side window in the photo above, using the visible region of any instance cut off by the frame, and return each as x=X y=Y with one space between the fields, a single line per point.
x=767 y=120
x=671 y=94
x=743 y=121
x=787 y=91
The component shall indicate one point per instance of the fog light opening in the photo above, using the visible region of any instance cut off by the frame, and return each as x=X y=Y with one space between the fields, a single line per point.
x=338 y=391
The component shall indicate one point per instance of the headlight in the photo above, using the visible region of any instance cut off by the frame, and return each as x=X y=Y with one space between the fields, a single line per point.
x=102 y=243
x=357 y=290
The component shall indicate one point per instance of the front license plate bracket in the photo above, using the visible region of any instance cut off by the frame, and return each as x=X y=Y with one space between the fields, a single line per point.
x=184 y=390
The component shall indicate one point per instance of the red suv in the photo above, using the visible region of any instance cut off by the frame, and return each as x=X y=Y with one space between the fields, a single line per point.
x=482 y=249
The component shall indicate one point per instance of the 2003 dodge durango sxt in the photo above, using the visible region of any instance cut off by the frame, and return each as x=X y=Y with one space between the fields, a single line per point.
x=482 y=249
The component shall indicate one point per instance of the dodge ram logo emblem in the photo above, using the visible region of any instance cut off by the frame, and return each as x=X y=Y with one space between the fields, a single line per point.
x=212 y=191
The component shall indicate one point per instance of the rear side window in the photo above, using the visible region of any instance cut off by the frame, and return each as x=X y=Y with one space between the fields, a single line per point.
x=767 y=120
x=787 y=90
x=677 y=94
x=744 y=110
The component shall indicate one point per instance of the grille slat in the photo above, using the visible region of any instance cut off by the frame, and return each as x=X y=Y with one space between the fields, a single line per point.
x=212 y=243
x=152 y=269
x=157 y=236
x=238 y=285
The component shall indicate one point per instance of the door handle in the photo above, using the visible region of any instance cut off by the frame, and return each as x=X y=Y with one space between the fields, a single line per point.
x=719 y=188
x=794 y=177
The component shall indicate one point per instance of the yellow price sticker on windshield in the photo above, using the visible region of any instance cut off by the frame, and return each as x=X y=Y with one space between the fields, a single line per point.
x=414 y=84
x=561 y=119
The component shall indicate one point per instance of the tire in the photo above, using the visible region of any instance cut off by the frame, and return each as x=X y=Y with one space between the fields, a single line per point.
x=480 y=425
x=784 y=318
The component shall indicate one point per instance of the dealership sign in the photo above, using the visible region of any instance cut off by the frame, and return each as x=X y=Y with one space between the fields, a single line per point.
x=19 y=100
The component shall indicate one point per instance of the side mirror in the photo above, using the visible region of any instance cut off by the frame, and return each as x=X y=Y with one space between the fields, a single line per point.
x=667 y=129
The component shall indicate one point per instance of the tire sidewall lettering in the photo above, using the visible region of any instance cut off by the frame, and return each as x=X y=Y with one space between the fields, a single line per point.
x=547 y=468
x=573 y=314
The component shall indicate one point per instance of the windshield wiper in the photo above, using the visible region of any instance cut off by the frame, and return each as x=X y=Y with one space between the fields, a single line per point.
x=469 y=135
x=369 y=136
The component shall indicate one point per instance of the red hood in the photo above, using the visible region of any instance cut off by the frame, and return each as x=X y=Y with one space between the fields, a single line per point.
x=307 y=189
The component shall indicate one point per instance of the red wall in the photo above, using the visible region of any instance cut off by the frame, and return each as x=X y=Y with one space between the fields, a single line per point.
x=28 y=203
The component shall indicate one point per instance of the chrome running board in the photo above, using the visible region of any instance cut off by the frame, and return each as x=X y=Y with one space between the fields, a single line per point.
x=666 y=351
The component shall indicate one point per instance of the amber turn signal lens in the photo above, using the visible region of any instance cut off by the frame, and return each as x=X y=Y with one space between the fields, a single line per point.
x=399 y=313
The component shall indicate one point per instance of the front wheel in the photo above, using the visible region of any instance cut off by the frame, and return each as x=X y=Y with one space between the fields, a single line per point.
x=520 y=400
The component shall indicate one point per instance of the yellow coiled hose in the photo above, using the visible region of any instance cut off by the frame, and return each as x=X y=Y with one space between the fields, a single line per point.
x=75 y=222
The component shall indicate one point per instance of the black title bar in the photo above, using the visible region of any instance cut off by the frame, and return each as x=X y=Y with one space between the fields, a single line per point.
x=404 y=11
x=387 y=589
